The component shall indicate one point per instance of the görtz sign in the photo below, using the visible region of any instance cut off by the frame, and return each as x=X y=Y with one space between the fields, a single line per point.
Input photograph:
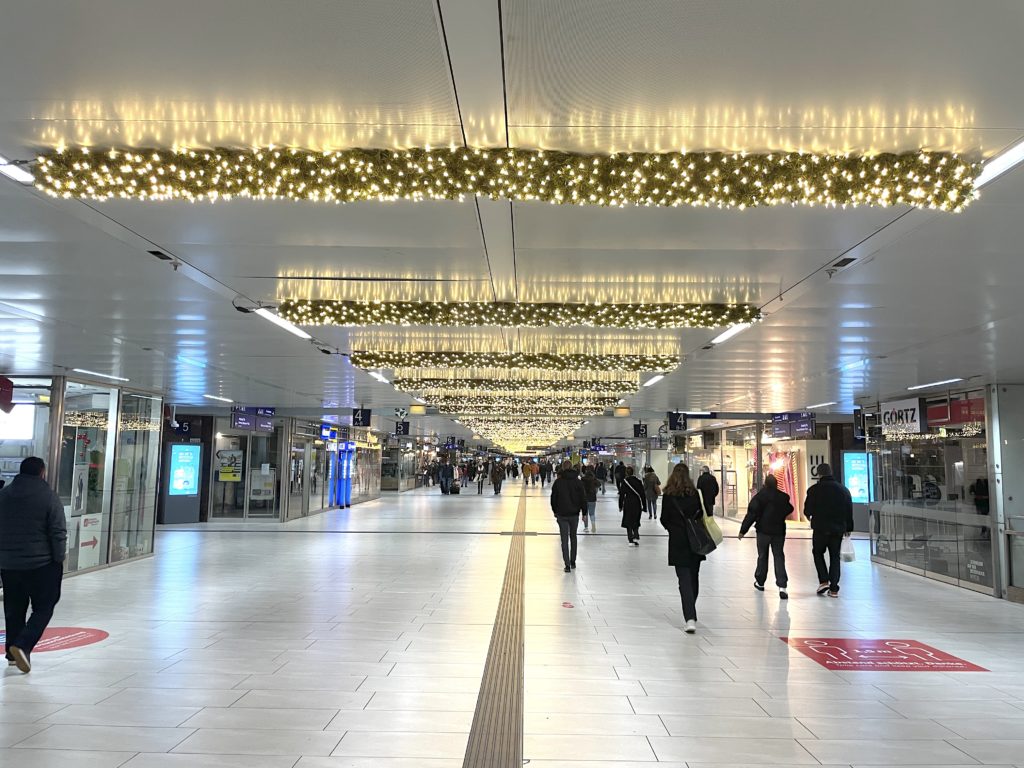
x=904 y=416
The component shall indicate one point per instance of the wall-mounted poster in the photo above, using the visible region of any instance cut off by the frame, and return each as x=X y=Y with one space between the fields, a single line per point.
x=229 y=466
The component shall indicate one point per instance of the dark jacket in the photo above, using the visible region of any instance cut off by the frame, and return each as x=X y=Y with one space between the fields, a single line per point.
x=674 y=511
x=651 y=483
x=829 y=507
x=632 y=501
x=767 y=512
x=568 y=498
x=619 y=473
x=33 y=531
x=590 y=485
x=708 y=487
x=601 y=473
x=447 y=472
x=497 y=474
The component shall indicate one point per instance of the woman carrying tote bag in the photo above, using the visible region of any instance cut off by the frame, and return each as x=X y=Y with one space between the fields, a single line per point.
x=688 y=540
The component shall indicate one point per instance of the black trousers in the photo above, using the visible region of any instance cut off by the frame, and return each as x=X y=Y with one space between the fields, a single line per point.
x=689 y=586
x=497 y=487
x=633 y=534
x=827 y=542
x=777 y=545
x=41 y=588
x=567 y=532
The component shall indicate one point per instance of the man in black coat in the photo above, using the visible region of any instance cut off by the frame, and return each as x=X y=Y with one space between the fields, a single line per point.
x=768 y=511
x=708 y=487
x=619 y=475
x=568 y=502
x=829 y=507
x=33 y=544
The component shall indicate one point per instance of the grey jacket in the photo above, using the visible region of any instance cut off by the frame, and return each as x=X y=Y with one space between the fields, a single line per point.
x=33 y=531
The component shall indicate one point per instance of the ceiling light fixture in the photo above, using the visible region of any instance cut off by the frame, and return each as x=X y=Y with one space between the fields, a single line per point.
x=820 y=405
x=101 y=375
x=728 y=334
x=280 y=322
x=1000 y=164
x=933 y=384
x=654 y=380
x=219 y=398
x=379 y=377
x=15 y=172
x=697 y=413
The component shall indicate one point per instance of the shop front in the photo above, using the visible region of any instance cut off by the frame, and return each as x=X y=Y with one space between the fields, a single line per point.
x=102 y=447
x=932 y=478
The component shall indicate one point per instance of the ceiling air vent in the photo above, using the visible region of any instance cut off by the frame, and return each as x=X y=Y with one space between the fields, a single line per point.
x=160 y=255
x=843 y=263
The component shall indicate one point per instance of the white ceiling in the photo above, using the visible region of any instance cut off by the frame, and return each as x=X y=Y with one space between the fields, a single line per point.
x=931 y=296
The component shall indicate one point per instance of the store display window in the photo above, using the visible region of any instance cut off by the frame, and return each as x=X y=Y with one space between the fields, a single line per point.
x=25 y=431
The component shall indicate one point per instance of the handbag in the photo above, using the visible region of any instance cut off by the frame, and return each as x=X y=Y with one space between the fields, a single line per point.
x=713 y=530
x=846 y=552
x=697 y=533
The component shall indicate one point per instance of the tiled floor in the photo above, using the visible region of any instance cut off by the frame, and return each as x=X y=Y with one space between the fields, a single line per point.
x=357 y=639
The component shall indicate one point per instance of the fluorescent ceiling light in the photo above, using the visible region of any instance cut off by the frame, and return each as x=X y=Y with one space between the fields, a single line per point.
x=101 y=375
x=820 y=405
x=420 y=400
x=729 y=333
x=654 y=380
x=1000 y=164
x=697 y=413
x=279 y=321
x=718 y=424
x=217 y=397
x=586 y=422
x=379 y=377
x=623 y=400
x=933 y=384
x=15 y=172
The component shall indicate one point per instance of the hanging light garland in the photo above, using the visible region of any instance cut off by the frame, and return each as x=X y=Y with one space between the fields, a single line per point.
x=516 y=433
x=936 y=180
x=502 y=405
x=509 y=314
x=508 y=391
x=372 y=360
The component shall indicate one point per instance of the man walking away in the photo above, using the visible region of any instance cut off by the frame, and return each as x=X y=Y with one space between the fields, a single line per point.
x=829 y=507
x=497 y=475
x=33 y=543
x=590 y=486
x=708 y=487
x=568 y=502
x=767 y=512
x=601 y=473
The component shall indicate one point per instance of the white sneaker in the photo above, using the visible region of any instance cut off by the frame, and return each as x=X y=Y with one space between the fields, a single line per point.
x=691 y=627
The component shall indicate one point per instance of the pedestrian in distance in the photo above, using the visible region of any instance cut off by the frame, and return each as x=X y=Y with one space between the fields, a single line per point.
x=619 y=474
x=767 y=512
x=633 y=504
x=497 y=476
x=33 y=544
x=652 y=489
x=707 y=484
x=829 y=507
x=601 y=473
x=680 y=502
x=446 y=476
x=481 y=475
x=568 y=502
x=590 y=486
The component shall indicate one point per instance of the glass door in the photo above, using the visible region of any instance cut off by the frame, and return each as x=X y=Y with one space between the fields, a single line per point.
x=229 y=466
x=298 y=479
x=264 y=477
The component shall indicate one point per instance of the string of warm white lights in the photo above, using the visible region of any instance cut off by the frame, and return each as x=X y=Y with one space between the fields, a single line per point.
x=490 y=378
x=514 y=387
x=509 y=314
x=516 y=433
x=937 y=180
x=490 y=403
x=368 y=359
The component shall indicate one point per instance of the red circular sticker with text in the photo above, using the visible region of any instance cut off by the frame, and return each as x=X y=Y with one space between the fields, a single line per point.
x=65 y=638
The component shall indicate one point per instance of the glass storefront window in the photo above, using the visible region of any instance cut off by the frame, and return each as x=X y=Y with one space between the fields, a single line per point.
x=85 y=476
x=229 y=468
x=25 y=431
x=135 y=476
x=264 y=476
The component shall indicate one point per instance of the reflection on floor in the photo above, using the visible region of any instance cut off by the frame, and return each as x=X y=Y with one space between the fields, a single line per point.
x=357 y=638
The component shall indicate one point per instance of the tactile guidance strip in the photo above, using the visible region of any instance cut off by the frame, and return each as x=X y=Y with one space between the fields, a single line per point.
x=496 y=738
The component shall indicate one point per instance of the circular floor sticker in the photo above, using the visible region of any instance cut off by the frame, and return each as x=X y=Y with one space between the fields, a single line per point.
x=64 y=638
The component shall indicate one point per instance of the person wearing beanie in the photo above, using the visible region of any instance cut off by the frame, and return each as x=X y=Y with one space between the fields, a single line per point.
x=829 y=507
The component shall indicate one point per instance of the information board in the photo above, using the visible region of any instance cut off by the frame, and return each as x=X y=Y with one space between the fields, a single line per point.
x=185 y=469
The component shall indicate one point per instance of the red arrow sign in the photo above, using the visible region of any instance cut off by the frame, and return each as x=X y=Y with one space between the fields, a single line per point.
x=92 y=543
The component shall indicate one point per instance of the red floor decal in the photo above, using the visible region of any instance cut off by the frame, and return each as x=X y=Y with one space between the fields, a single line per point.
x=63 y=638
x=857 y=655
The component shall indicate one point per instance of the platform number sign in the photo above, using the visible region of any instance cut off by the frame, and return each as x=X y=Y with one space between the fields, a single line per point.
x=676 y=422
x=361 y=417
x=639 y=430
x=401 y=428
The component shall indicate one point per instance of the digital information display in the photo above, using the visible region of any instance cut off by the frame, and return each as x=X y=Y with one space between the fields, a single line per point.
x=858 y=471
x=185 y=469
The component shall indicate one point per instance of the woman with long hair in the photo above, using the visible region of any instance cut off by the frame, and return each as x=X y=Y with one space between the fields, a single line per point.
x=633 y=503
x=679 y=503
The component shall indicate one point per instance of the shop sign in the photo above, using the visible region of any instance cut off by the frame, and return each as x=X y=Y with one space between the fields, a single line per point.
x=957 y=412
x=65 y=638
x=903 y=417
x=846 y=654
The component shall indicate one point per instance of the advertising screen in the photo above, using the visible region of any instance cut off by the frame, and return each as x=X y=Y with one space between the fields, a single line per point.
x=185 y=470
x=857 y=476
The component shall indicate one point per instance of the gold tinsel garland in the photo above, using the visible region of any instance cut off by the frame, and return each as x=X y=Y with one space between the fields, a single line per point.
x=371 y=360
x=510 y=314
x=938 y=180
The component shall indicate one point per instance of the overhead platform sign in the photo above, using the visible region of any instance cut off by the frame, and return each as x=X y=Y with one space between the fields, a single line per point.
x=851 y=654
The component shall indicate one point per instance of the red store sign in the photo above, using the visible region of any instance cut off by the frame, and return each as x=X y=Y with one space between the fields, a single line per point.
x=852 y=654
x=957 y=412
